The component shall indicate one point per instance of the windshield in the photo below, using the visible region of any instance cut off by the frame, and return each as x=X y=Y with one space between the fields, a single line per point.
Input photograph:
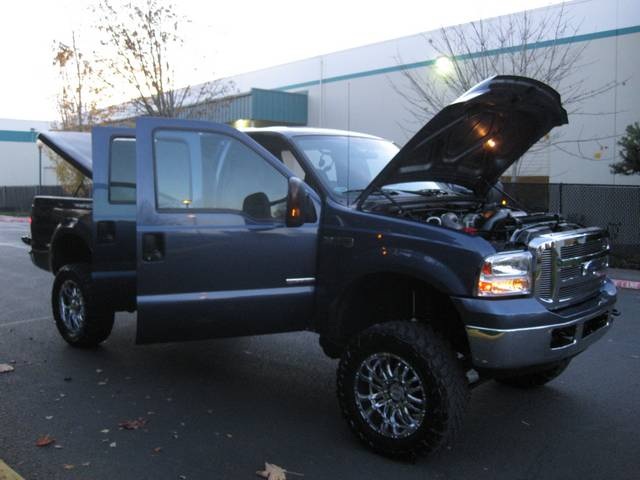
x=346 y=165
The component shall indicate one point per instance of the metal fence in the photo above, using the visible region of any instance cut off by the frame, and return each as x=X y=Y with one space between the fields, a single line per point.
x=18 y=199
x=613 y=207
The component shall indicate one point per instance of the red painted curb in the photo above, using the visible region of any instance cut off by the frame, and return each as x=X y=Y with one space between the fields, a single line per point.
x=8 y=219
x=630 y=284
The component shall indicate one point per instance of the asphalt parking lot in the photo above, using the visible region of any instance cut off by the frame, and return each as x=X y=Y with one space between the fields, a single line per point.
x=220 y=409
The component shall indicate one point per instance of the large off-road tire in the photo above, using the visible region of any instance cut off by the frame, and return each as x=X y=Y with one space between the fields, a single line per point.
x=401 y=389
x=535 y=379
x=78 y=319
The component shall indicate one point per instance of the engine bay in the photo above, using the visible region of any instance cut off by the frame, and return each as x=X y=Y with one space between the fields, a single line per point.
x=503 y=225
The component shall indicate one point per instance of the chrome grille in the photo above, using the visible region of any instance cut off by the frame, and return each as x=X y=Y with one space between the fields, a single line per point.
x=570 y=266
x=583 y=249
x=543 y=283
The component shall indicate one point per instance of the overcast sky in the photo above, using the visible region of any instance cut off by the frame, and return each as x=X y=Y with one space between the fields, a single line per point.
x=225 y=37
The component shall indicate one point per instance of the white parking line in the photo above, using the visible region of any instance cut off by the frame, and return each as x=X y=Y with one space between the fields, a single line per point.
x=27 y=320
x=14 y=245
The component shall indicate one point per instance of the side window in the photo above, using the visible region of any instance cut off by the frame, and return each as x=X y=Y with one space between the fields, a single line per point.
x=213 y=172
x=122 y=171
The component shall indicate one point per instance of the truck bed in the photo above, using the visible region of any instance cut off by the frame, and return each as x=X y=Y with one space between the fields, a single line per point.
x=47 y=212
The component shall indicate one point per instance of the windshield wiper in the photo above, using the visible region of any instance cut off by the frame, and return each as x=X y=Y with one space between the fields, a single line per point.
x=425 y=193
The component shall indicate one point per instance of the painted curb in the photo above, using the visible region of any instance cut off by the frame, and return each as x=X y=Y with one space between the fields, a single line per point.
x=6 y=473
x=8 y=219
x=628 y=284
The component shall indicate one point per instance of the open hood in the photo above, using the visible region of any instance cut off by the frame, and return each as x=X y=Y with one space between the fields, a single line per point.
x=74 y=147
x=472 y=141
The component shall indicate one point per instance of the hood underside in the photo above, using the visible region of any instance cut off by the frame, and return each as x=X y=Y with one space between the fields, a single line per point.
x=475 y=139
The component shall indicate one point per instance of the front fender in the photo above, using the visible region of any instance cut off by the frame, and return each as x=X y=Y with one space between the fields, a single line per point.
x=411 y=263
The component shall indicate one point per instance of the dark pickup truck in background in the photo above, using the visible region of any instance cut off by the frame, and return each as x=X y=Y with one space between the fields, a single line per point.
x=413 y=268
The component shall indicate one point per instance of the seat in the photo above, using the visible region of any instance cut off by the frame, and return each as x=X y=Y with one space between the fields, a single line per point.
x=257 y=205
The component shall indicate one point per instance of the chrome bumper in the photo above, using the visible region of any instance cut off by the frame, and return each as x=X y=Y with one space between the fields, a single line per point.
x=550 y=337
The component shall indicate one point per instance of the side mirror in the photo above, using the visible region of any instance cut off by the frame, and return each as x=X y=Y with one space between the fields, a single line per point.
x=300 y=209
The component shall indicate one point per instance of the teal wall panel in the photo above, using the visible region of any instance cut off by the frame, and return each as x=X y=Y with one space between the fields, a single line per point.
x=18 y=136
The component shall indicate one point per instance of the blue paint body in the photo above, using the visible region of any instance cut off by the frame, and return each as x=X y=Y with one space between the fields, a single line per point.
x=196 y=273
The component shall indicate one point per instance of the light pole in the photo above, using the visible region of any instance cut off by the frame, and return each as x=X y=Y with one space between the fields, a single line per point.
x=39 y=168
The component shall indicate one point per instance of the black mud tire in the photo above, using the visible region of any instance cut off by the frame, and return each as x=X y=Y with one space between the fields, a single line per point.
x=534 y=379
x=96 y=324
x=435 y=362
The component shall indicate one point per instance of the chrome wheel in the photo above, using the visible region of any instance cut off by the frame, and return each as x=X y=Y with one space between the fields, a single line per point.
x=71 y=304
x=390 y=395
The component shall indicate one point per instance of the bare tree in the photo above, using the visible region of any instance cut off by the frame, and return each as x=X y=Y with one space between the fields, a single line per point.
x=79 y=91
x=140 y=39
x=77 y=104
x=532 y=45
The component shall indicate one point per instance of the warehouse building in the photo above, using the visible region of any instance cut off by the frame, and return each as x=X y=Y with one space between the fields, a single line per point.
x=366 y=89
x=21 y=161
x=361 y=89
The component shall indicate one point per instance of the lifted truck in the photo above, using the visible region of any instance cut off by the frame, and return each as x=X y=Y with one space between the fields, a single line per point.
x=406 y=263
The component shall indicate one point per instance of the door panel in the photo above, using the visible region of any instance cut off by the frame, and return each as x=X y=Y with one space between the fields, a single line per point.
x=214 y=254
x=114 y=216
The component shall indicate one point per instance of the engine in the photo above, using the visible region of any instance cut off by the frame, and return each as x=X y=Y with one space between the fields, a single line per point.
x=496 y=223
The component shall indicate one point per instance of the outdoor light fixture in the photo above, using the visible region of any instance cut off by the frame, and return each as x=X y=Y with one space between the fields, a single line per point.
x=491 y=143
x=444 y=66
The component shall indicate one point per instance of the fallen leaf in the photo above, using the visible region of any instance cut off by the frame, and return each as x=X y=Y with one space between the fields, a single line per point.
x=44 y=441
x=86 y=464
x=133 y=424
x=58 y=446
x=113 y=444
x=6 y=368
x=68 y=466
x=272 y=472
x=98 y=370
x=48 y=417
x=157 y=450
x=104 y=430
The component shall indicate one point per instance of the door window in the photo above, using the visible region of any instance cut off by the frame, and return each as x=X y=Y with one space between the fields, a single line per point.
x=214 y=172
x=122 y=171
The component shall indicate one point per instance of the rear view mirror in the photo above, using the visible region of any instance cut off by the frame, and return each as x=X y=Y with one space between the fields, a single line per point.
x=300 y=209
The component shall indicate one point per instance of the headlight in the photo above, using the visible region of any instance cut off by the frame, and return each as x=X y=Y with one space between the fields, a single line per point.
x=505 y=274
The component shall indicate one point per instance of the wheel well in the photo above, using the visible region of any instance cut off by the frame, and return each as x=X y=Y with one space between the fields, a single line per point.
x=384 y=297
x=69 y=249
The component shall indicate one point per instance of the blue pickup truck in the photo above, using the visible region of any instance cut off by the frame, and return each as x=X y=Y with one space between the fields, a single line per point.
x=411 y=264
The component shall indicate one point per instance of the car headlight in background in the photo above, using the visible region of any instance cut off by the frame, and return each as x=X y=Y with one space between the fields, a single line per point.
x=505 y=274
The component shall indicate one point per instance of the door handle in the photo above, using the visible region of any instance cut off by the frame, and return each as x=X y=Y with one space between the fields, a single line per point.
x=106 y=232
x=152 y=247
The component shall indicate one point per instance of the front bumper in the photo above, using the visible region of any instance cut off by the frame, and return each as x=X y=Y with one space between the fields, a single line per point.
x=518 y=333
